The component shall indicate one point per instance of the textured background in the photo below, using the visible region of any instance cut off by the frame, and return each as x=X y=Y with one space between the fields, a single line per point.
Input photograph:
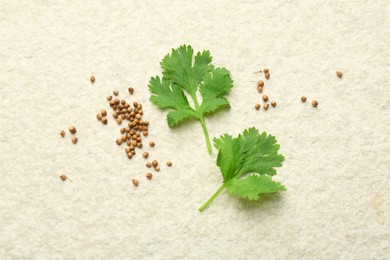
x=337 y=156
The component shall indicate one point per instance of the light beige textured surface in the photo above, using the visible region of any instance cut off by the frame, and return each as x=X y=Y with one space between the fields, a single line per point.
x=337 y=156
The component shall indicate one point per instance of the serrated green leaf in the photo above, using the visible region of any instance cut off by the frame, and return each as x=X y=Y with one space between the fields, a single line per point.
x=253 y=186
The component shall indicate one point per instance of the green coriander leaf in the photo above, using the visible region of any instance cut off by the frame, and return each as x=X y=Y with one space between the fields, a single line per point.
x=254 y=185
x=185 y=74
x=171 y=96
x=249 y=152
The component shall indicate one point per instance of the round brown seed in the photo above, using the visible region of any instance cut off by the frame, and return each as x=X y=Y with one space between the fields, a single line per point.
x=273 y=103
x=99 y=116
x=131 y=90
x=145 y=133
x=103 y=112
x=74 y=140
x=123 y=138
x=123 y=101
x=303 y=99
x=109 y=98
x=115 y=92
x=265 y=98
x=339 y=74
x=72 y=129
x=155 y=163
x=314 y=103
x=118 y=141
x=62 y=133
x=135 y=104
x=145 y=155
x=119 y=120
x=116 y=101
x=266 y=70
x=148 y=164
x=139 y=145
x=265 y=106
x=169 y=163
x=257 y=106
x=135 y=182
x=63 y=177
x=112 y=102
x=267 y=75
x=129 y=155
x=157 y=168
x=122 y=130
x=260 y=89
x=104 y=120
x=260 y=83
x=92 y=79
x=149 y=175
x=152 y=144
x=127 y=150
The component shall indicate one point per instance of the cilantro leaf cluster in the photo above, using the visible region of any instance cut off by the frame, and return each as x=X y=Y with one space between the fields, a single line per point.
x=184 y=76
x=247 y=163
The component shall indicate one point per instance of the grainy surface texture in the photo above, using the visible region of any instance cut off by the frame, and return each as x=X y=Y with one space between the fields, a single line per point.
x=337 y=205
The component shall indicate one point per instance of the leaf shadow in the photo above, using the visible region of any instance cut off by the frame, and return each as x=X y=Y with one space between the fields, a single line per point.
x=266 y=201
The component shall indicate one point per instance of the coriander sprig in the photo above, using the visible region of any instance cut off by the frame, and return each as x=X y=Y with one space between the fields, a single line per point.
x=184 y=75
x=250 y=152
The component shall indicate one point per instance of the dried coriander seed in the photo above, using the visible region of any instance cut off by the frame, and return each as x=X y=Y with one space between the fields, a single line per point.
x=135 y=182
x=273 y=103
x=303 y=99
x=145 y=155
x=257 y=106
x=139 y=145
x=118 y=141
x=64 y=177
x=131 y=90
x=145 y=133
x=339 y=74
x=115 y=92
x=72 y=129
x=265 y=106
x=260 y=83
x=92 y=79
x=99 y=116
x=266 y=70
x=152 y=144
x=154 y=163
x=157 y=168
x=74 y=140
x=149 y=175
x=260 y=89
x=119 y=120
x=123 y=138
x=62 y=133
x=267 y=75
x=103 y=112
x=265 y=98
x=169 y=163
x=148 y=164
x=104 y=120
x=314 y=103
x=109 y=98
x=129 y=155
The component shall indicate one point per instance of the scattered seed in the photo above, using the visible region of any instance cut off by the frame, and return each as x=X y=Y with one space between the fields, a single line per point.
x=135 y=182
x=135 y=104
x=123 y=138
x=265 y=98
x=104 y=120
x=139 y=145
x=266 y=70
x=339 y=74
x=267 y=75
x=109 y=98
x=260 y=89
x=63 y=177
x=119 y=120
x=148 y=164
x=74 y=140
x=314 y=103
x=154 y=163
x=131 y=90
x=123 y=102
x=145 y=133
x=149 y=175
x=118 y=141
x=103 y=112
x=72 y=129
x=92 y=79
x=257 y=106
x=152 y=144
x=157 y=168
x=273 y=103
x=145 y=155
x=62 y=133
x=265 y=106
x=169 y=163
x=303 y=99
x=129 y=155
x=115 y=92
x=99 y=116
x=260 y=83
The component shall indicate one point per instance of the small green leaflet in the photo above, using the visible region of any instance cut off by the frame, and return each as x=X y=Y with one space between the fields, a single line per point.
x=184 y=75
x=250 y=152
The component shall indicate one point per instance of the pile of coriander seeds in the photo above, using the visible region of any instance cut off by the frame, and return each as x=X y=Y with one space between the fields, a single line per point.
x=260 y=88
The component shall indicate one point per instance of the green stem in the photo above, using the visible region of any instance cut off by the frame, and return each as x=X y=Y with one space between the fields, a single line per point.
x=213 y=197
x=203 y=123
x=206 y=133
